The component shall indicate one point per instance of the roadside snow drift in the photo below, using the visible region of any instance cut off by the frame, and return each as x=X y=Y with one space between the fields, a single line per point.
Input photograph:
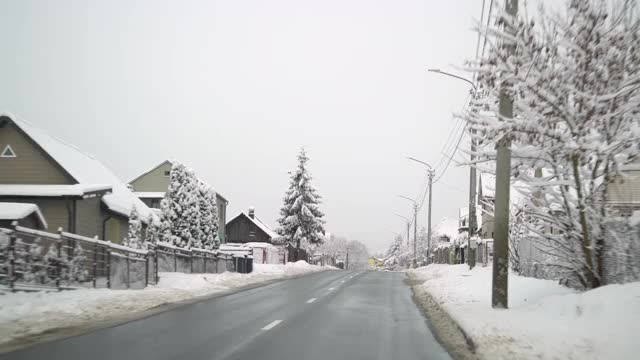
x=544 y=320
x=26 y=314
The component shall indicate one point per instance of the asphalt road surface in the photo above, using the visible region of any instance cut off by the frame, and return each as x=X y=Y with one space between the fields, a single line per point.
x=328 y=315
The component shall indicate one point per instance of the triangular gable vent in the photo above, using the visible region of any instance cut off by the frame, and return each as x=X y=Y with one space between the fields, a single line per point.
x=8 y=152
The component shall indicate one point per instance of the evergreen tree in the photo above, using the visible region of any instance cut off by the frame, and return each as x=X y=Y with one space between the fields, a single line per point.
x=180 y=207
x=165 y=226
x=208 y=217
x=153 y=230
x=133 y=239
x=301 y=220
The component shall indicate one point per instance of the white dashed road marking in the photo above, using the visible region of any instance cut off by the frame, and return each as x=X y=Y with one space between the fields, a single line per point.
x=311 y=300
x=272 y=325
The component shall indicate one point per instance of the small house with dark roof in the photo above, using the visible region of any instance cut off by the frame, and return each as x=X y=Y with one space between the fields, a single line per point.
x=248 y=228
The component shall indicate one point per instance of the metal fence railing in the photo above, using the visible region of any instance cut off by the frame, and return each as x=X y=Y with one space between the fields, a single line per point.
x=34 y=259
x=37 y=259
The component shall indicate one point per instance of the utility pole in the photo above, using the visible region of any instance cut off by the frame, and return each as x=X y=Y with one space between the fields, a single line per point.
x=415 y=235
x=415 y=228
x=471 y=258
x=431 y=174
x=408 y=226
x=346 y=265
x=500 y=278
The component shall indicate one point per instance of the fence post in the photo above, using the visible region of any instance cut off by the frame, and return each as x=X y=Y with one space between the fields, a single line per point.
x=108 y=259
x=157 y=278
x=59 y=262
x=191 y=261
x=95 y=262
x=146 y=269
x=12 y=257
x=128 y=275
x=204 y=260
x=175 y=261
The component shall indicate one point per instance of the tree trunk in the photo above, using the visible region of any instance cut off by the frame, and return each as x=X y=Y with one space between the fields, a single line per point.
x=586 y=241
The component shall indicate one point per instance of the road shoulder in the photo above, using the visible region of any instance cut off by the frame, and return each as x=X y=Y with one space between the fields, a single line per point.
x=447 y=331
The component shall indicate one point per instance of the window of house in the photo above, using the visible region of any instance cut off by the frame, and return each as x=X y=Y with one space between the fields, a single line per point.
x=167 y=173
x=8 y=152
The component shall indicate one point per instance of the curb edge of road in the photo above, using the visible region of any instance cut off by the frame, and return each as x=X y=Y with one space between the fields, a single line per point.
x=446 y=330
x=61 y=333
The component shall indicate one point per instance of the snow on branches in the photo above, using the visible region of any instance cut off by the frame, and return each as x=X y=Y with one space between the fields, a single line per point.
x=301 y=223
x=574 y=79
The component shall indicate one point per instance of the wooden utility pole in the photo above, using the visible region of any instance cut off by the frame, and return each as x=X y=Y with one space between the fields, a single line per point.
x=500 y=280
x=431 y=174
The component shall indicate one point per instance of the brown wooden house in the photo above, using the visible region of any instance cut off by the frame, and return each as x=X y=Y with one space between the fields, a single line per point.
x=246 y=228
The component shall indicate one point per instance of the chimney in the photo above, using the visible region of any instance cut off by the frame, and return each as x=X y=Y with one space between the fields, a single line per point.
x=252 y=211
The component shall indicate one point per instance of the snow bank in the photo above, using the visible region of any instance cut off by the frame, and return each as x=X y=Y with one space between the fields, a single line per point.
x=545 y=320
x=28 y=314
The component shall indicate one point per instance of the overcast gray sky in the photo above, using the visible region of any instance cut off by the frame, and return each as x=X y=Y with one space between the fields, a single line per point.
x=234 y=88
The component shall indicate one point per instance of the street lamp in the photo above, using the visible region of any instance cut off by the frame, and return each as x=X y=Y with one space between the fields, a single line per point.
x=415 y=228
x=472 y=175
x=430 y=173
x=408 y=225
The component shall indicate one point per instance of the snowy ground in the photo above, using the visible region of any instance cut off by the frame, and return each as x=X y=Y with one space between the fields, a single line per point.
x=545 y=320
x=27 y=314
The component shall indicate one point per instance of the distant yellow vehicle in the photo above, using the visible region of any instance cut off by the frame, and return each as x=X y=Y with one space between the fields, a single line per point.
x=376 y=264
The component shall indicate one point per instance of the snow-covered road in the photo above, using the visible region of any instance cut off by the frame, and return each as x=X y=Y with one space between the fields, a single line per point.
x=25 y=315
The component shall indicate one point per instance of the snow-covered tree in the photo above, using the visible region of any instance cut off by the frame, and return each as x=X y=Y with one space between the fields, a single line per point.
x=208 y=217
x=399 y=255
x=300 y=221
x=334 y=246
x=76 y=270
x=180 y=207
x=134 y=235
x=153 y=230
x=574 y=80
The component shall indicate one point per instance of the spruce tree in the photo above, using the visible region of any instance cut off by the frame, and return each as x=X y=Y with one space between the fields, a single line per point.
x=300 y=219
x=153 y=230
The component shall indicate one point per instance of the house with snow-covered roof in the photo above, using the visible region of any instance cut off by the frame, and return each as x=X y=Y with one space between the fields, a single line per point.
x=22 y=214
x=247 y=227
x=72 y=189
x=151 y=185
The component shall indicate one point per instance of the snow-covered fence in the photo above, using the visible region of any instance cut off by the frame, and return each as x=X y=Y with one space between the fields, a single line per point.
x=171 y=258
x=37 y=259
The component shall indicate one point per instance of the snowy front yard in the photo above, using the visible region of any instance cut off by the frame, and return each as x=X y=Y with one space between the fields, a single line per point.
x=28 y=314
x=544 y=321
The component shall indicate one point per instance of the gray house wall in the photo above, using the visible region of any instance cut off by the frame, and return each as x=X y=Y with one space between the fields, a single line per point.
x=155 y=180
x=89 y=216
x=31 y=165
x=30 y=221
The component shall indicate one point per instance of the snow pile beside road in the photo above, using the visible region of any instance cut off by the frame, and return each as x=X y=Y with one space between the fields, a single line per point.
x=25 y=314
x=545 y=320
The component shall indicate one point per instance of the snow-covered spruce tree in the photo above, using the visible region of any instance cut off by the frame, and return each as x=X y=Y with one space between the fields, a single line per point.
x=164 y=227
x=134 y=235
x=208 y=217
x=300 y=219
x=180 y=207
x=574 y=80
x=76 y=270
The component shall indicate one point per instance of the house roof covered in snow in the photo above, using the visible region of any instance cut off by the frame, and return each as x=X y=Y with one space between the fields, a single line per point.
x=447 y=227
x=85 y=169
x=259 y=223
x=79 y=190
x=17 y=211
x=149 y=194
